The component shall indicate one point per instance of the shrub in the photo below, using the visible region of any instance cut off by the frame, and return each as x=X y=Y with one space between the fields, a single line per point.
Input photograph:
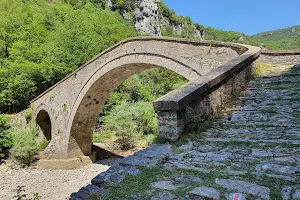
x=25 y=144
x=27 y=114
x=121 y=122
x=5 y=138
x=260 y=68
x=145 y=118
x=4 y=122
x=129 y=121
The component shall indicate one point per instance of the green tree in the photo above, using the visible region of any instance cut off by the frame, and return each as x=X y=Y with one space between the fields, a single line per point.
x=41 y=43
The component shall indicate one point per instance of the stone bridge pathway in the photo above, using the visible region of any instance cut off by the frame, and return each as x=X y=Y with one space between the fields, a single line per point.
x=252 y=153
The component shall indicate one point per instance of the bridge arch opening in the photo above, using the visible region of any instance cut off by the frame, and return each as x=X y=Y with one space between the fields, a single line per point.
x=44 y=122
x=92 y=103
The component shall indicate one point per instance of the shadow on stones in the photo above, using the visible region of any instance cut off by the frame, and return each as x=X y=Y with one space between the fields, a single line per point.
x=103 y=154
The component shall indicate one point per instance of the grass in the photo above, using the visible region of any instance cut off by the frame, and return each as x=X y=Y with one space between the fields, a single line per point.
x=296 y=115
x=140 y=184
x=277 y=86
x=294 y=99
x=251 y=145
x=136 y=184
x=260 y=69
x=270 y=109
x=235 y=143
x=102 y=137
x=293 y=94
x=274 y=184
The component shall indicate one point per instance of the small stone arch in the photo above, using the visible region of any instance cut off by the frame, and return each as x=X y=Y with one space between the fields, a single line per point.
x=44 y=122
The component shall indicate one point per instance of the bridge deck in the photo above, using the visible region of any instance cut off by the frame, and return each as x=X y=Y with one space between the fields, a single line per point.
x=254 y=151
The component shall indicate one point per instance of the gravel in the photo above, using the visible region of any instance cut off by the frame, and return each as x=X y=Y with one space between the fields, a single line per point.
x=49 y=184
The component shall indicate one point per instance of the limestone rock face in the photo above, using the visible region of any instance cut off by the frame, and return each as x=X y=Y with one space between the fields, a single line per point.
x=109 y=3
x=146 y=17
x=178 y=28
x=148 y=20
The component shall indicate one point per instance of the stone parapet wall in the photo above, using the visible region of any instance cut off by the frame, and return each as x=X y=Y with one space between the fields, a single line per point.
x=288 y=57
x=187 y=106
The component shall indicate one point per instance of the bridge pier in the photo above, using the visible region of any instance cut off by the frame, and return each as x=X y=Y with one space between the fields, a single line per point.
x=171 y=124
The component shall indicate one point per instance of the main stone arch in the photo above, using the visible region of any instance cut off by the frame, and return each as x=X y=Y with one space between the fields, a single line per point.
x=74 y=103
x=93 y=95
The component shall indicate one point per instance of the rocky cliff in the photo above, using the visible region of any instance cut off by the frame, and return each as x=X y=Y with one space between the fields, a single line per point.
x=153 y=17
x=146 y=17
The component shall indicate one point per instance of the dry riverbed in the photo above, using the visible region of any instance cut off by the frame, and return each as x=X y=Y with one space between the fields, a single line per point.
x=49 y=184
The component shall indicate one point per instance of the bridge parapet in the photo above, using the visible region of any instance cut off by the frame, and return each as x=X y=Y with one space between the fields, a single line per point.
x=187 y=106
x=284 y=57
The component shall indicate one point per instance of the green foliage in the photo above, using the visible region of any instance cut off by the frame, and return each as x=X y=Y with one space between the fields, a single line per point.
x=115 y=98
x=229 y=36
x=4 y=122
x=27 y=114
x=283 y=44
x=260 y=68
x=151 y=84
x=25 y=144
x=172 y=16
x=145 y=86
x=199 y=26
x=77 y=4
x=186 y=24
x=41 y=43
x=123 y=5
x=117 y=4
x=280 y=34
x=129 y=5
x=129 y=111
x=103 y=136
x=5 y=139
x=281 y=39
x=188 y=31
x=131 y=120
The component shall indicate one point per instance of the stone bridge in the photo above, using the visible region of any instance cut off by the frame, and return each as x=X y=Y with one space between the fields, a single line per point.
x=68 y=111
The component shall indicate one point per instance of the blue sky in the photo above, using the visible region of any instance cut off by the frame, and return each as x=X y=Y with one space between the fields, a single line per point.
x=248 y=16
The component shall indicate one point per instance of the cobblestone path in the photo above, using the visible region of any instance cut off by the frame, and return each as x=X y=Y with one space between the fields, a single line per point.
x=252 y=153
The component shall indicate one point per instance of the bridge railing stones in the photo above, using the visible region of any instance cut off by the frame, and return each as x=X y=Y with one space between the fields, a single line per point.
x=188 y=105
